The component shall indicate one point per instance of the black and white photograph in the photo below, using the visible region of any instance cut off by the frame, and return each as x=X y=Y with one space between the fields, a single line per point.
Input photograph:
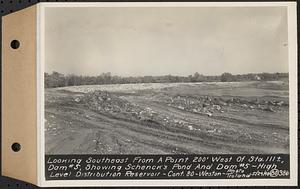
x=166 y=80
x=150 y=94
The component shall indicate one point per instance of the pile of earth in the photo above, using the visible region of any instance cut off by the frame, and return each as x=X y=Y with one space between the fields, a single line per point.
x=107 y=103
x=209 y=104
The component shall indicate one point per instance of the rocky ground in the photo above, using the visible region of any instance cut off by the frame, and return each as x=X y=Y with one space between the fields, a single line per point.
x=249 y=117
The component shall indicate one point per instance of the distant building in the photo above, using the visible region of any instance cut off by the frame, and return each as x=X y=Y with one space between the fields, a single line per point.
x=257 y=78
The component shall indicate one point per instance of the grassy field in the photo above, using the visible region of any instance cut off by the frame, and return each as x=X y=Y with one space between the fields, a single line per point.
x=168 y=118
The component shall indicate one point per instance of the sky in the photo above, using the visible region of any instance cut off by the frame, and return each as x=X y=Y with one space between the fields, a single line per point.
x=161 y=41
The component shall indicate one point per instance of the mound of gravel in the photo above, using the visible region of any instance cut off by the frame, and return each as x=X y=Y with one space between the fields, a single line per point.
x=103 y=101
x=205 y=105
x=209 y=104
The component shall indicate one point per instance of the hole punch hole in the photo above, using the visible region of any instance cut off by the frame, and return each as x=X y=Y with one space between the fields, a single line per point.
x=16 y=147
x=15 y=44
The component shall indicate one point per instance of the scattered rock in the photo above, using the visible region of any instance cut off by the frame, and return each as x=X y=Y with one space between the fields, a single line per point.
x=190 y=128
x=280 y=103
x=209 y=114
x=269 y=109
x=217 y=107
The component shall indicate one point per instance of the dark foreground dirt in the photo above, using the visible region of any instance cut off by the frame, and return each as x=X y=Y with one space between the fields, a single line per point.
x=202 y=118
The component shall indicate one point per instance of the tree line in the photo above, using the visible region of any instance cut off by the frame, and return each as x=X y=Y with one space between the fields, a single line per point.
x=56 y=79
